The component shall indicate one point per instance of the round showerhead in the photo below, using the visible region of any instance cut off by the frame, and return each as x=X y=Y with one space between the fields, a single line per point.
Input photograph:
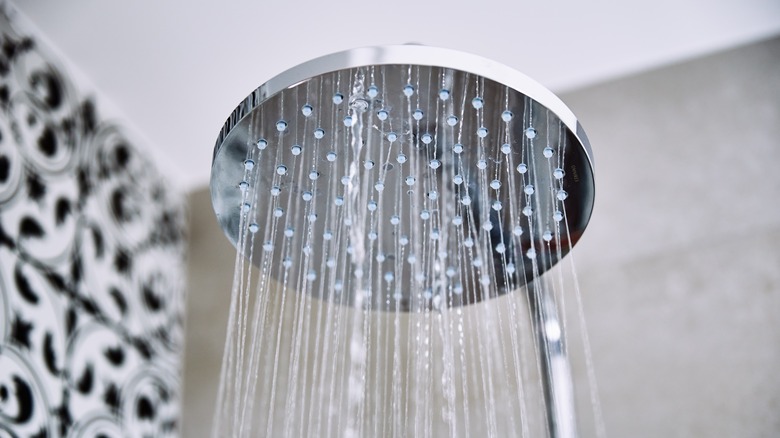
x=402 y=177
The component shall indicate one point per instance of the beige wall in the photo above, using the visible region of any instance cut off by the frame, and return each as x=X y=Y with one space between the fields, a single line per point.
x=679 y=269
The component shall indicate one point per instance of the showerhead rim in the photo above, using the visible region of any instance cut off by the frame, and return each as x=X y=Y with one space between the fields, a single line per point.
x=411 y=56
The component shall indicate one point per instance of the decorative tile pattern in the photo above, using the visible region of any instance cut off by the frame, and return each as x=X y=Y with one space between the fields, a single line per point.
x=91 y=263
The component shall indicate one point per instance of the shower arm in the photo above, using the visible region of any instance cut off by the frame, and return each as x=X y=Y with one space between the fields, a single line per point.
x=557 y=383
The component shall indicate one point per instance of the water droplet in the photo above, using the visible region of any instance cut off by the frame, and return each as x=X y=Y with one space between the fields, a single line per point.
x=246 y=207
x=477 y=262
x=477 y=102
x=296 y=149
x=411 y=259
x=433 y=195
x=530 y=133
x=281 y=125
x=497 y=206
x=558 y=173
x=327 y=235
x=482 y=132
x=529 y=189
x=313 y=175
x=312 y=275
x=392 y=136
x=452 y=120
x=457 y=148
x=262 y=144
x=457 y=289
x=331 y=156
x=450 y=272
x=331 y=262
x=338 y=285
x=506 y=148
x=319 y=133
x=510 y=268
x=487 y=226
x=528 y=211
x=289 y=231
x=561 y=195
x=558 y=216
x=457 y=220
x=395 y=220
x=457 y=179
x=444 y=94
x=547 y=236
x=403 y=240
x=500 y=248
x=408 y=90
x=372 y=206
x=495 y=184
x=253 y=227
x=339 y=201
x=359 y=105
x=368 y=164
x=380 y=257
x=287 y=262
x=312 y=217
x=427 y=138
x=548 y=152
x=275 y=190
x=348 y=121
x=417 y=114
x=522 y=168
x=373 y=91
x=243 y=185
x=389 y=276
x=507 y=115
x=482 y=164
x=306 y=110
x=382 y=115
x=531 y=253
x=345 y=180
x=268 y=246
x=372 y=235
x=338 y=98
x=425 y=215
x=468 y=242
x=307 y=196
x=278 y=212
x=379 y=186
x=410 y=180
x=518 y=230
x=435 y=164
x=249 y=164
x=281 y=169
x=466 y=200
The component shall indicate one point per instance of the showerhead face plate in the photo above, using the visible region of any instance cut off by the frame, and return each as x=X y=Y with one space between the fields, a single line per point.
x=402 y=178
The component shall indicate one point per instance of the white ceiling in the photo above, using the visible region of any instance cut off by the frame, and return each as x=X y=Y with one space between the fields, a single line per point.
x=177 y=68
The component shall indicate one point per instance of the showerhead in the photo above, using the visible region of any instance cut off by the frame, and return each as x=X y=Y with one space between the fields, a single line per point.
x=402 y=177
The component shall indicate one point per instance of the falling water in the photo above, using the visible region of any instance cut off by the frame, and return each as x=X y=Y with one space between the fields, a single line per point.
x=391 y=234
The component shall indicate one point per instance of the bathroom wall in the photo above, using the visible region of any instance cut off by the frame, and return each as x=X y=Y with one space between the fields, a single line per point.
x=91 y=259
x=679 y=267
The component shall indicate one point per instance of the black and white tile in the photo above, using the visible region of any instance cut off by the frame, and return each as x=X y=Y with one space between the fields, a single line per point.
x=91 y=262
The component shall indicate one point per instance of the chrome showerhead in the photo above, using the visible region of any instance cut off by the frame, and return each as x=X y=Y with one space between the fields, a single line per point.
x=402 y=177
